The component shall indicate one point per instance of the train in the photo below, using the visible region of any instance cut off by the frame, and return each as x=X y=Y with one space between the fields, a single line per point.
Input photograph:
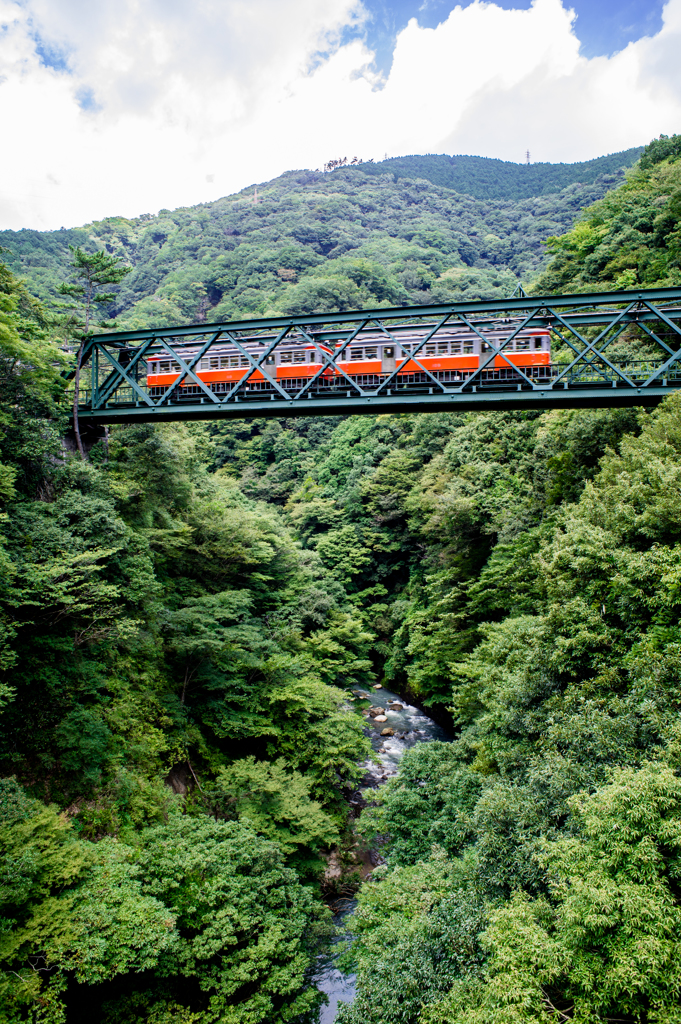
x=451 y=357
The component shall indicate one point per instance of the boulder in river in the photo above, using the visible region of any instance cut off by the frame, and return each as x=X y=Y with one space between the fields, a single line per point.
x=376 y=711
x=396 y=707
x=380 y=718
x=387 y=732
x=378 y=686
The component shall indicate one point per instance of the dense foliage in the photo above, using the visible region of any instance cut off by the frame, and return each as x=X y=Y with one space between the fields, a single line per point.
x=487 y=178
x=631 y=236
x=183 y=612
x=575 y=692
x=173 y=667
x=533 y=864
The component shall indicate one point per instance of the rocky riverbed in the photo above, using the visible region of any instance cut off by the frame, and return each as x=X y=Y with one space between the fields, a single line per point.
x=393 y=727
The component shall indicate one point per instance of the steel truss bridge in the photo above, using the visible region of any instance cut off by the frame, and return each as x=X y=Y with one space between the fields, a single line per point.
x=586 y=369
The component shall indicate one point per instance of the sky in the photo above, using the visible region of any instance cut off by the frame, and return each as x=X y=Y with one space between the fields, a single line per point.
x=125 y=107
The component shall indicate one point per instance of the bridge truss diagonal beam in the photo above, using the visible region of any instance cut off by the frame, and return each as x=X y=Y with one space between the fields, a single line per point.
x=610 y=348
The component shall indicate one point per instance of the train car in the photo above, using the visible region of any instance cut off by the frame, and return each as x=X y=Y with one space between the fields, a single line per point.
x=451 y=357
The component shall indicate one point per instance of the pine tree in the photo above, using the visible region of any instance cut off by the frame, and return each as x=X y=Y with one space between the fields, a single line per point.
x=91 y=271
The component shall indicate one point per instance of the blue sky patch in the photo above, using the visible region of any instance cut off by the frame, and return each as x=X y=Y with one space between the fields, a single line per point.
x=50 y=55
x=87 y=101
x=603 y=26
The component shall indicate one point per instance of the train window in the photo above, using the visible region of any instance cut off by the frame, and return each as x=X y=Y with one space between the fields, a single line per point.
x=522 y=344
x=269 y=360
x=165 y=366
x=287 y=357
x=537 y=342
x=442 y=348
x=430 y=350
x=244 y=361
x=484 y=347
x=457 y=347
x=299 y=357
x=371 y=353
x=389 y=353
x=468 y=347
x=313 y=357
x=356 y=353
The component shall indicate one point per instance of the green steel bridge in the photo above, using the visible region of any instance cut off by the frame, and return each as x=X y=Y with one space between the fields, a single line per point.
x=586 y=369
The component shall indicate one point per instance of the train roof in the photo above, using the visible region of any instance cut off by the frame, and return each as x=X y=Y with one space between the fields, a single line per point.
x=365 y=338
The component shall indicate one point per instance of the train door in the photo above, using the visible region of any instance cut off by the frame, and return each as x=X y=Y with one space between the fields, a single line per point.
x=388 y=358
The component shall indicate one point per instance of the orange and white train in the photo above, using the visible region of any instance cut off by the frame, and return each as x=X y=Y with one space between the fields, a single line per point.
x=451 y=357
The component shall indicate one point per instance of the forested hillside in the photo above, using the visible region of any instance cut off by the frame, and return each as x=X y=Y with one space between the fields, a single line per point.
x=184 y=614
x=486 y=178
x=630 y=237
x=312 y=242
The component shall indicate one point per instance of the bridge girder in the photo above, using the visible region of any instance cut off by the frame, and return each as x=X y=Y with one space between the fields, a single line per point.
x=583 y=328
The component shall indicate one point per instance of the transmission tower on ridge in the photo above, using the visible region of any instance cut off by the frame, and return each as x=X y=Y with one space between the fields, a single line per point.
x=527 y=156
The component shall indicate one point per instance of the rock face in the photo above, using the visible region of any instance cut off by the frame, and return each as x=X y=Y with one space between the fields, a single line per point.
x=179 y=779
x=380 y=718
x=387 y=732
x=334 y=866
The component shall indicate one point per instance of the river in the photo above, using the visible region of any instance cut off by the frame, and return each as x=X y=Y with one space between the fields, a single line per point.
x=410 y=726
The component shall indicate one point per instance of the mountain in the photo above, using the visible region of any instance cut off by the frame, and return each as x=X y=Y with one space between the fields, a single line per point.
x=310 y=241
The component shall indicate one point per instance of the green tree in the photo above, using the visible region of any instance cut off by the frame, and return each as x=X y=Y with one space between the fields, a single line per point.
x=414 y=935
x=90 y=270
x=605 y=943
x=31 y=384
x=275 y=801
x=40 y=861
x=247 y=927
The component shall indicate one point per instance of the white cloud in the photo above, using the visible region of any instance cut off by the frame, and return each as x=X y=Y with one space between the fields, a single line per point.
x=192 y=99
